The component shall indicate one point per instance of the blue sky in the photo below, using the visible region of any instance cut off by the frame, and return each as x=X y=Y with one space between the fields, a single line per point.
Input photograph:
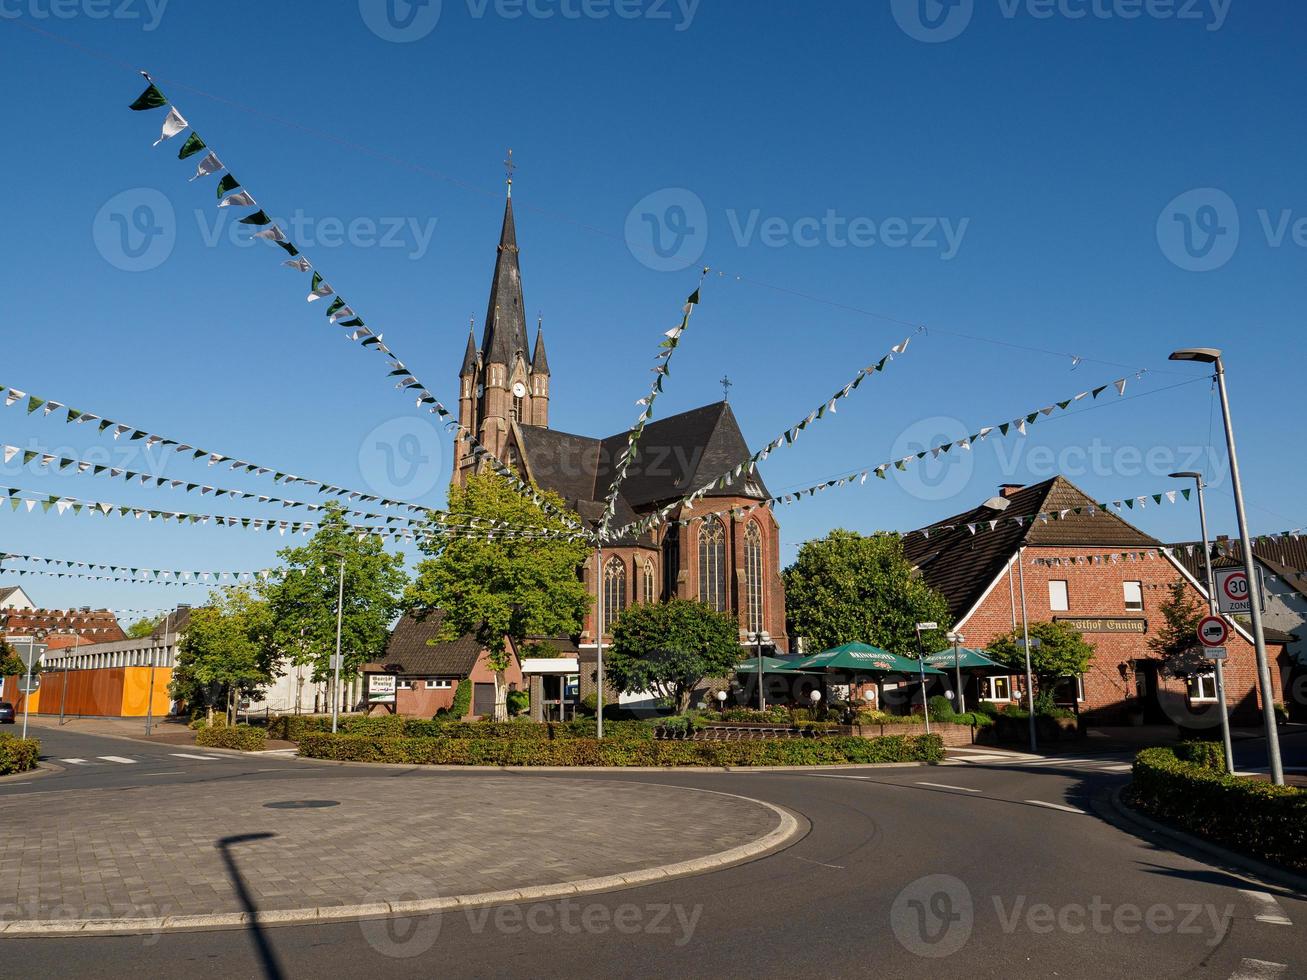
x=1018 y=178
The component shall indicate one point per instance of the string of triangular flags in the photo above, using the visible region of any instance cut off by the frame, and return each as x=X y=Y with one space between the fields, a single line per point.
x=34 y=402
x=1090 y=510
x=86 y=576
x=233 y=193
x=788 y=437
x=64 y=463
x=183 y=575
x=661 y=370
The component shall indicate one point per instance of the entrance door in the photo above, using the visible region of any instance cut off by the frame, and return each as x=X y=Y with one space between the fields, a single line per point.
x=1147 y=693
x=483 y=700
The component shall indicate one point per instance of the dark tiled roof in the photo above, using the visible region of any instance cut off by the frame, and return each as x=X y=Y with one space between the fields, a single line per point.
x=6 y=592
x=411 y=650
x=176 y=623
x=1285 y=558
x=961 y=565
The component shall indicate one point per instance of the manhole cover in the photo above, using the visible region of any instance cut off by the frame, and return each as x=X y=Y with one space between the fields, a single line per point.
x=301 y=804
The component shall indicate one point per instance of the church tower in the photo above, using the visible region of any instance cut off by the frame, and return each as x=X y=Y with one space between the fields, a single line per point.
x=502 y=383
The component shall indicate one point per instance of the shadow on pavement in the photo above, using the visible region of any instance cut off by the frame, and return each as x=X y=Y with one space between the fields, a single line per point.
x=271 y=968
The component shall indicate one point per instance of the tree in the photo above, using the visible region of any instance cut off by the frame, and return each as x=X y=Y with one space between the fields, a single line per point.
x=671 y=647
x=501 y=589
x=1176 y=639
x=848 y=587
x=12 y=663
x=1061 y=652
x=142 y=628
x=225 y=651
x=302 y=601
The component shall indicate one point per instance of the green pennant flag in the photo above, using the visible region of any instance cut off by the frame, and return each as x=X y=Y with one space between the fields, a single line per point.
x=290 y=248
x=28 y=456
x=1004 y=427
x=228 y=184
x=138 y=434
x=1030 y=419
x=336 y=304
x=880 y=365
x=151 y=98
x=34 y=403
x=1099 y=390
x=259 y=217
x=1186 y=493
x=356 y=322
x=898 y=466
x=1130 y=503
x=1063 y=405
x=694 y=298
x=73 y=414
x=192 y=146
x=1157 y=498
x=104 y=424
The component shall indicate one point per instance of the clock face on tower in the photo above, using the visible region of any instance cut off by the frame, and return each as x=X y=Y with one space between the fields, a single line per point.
x=519 y=390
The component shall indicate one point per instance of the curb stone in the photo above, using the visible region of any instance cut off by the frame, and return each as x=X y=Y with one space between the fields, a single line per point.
x=1231 y=860
x=787 y=830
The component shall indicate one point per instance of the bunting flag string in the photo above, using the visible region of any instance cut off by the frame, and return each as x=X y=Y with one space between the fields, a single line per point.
x=661 y=370
x=183 y=575
x=1091 y=510
x=341 y=314
x=786 y=438
x=48 y=406
x=64 y=463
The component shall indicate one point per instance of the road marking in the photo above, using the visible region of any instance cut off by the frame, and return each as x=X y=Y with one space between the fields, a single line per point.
x=169 y=772
x=76 y=762
x=1268 y=909
x=821 y=864
x=963 y=789
x=832 y=775
x=1259 y=970
x=1056 y=806
x=1117 y=767
x=117 y=758
x=206 y=758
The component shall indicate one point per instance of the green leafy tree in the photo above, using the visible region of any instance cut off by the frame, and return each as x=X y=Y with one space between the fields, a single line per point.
x=502 y=589
x=1062 y=651
x=1176 y=638
x=142 y=628
x=225 y=651
x=303 y=600
x=848 y=587
x=670 y=647
x=12 y=664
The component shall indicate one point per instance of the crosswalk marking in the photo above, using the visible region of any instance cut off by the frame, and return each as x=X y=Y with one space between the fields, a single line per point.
x=1268 y=909
x=76 y=762
x=187 y=755
x=1056 y=806
x=117 y=758
x=1250 y=969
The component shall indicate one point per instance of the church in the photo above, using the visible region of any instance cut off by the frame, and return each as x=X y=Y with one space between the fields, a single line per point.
x=732 y=564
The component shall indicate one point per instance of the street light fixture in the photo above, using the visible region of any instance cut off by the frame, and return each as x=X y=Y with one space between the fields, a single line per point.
x=1211 y=608
x=957 y=639
x=760 y=637
x=1211 y=355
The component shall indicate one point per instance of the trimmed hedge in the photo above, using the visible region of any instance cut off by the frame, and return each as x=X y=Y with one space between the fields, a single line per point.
x=1258 y=818
x=293 y=728
x=247 y=738
x=579 y=751
x=18 y=754
x=1209 y=755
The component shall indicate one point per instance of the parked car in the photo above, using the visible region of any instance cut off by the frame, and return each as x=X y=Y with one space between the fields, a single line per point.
x=6 y=713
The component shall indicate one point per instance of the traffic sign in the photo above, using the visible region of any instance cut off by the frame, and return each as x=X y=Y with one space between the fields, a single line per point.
x=27 y=685
x=1213 y=631
x=1215 y=653
x=1232 y=592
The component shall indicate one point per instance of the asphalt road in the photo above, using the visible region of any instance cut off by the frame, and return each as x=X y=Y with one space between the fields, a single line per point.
x=981 y=869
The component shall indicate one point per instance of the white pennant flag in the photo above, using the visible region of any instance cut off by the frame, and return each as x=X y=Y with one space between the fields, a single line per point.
x=273 y=233
x=302 y=264
x=1120 y=386
x=209 y=165
x=173 y=125
x=9 y=452
x=240 y=199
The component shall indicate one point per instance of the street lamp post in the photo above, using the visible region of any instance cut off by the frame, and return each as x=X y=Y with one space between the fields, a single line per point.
x=921 y=670
x=599 y=642
x=32 y=639
x=340 y=612
x=759 y=636
x=957 y=639
x=1209 y=355
x=1025 y=634
x=1211 y=608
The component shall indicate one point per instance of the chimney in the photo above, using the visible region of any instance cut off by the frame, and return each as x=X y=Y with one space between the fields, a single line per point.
x=1006 y=490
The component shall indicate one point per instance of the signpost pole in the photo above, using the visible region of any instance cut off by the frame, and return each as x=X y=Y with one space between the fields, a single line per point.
x=340 y=610
x=1211 y=608
x=1025 y=632
x=27 y=692
x=921 y=671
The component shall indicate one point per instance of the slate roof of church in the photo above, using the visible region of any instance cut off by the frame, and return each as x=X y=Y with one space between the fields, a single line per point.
x=961 y=565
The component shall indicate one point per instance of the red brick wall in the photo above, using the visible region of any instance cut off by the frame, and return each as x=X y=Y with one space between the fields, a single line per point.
x=1096 y=590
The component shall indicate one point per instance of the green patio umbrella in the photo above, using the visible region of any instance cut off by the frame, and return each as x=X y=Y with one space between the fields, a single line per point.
x=863 y=658
x=967 y=659
x=771 y=665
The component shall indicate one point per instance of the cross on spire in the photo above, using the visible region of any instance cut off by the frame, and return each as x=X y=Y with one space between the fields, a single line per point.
x=509 y=167
x=727 y=384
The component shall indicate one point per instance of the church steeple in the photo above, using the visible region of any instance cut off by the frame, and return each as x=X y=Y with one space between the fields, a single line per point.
x=505 y=327
x=469 y=368
x=540 y=363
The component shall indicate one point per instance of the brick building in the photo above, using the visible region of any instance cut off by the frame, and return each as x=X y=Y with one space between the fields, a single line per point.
x=731 y=563
x=1086 y=566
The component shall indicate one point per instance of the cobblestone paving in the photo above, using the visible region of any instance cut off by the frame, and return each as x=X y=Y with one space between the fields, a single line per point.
x=159 y=851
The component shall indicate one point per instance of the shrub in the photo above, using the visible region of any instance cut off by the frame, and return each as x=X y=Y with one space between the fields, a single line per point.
x=18 y=754
x=1258 y=818
x=621 y=752
x=247 y=738
x=1209 y=755
x=987 y=708
x=519 y=702
x=940 y=706
x=462 y=698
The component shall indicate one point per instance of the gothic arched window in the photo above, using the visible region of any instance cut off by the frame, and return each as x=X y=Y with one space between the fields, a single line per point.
x=614 y=591
x=753 y=575
x=712 y=564
x=671 y=561
x=649 y=588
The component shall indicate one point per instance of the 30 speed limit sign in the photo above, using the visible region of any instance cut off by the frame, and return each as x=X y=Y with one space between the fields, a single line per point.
x=1232 y=592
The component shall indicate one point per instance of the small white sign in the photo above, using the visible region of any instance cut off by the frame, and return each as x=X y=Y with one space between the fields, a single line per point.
x=335 y=661
x=381 y=689
x=1232 y=592
x=927 y=626
x=1215 y=653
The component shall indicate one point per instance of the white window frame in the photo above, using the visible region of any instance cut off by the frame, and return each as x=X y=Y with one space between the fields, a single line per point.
x=989 y=686
x=1203 y=680
x=403 y=685
x=1066 y=595
x=1125 y=595
x=436 y=684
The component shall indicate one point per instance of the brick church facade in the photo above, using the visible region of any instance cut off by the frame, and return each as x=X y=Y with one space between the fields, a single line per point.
x=732 y=563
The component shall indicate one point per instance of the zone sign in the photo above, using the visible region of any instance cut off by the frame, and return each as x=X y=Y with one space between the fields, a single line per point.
x=1232 y=592
x=1212 y=631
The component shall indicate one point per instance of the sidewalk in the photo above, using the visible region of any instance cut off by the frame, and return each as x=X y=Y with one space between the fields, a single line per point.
x=167 y=731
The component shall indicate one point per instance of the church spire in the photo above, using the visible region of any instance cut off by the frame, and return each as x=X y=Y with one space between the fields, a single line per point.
x=540 y=363
x=470 y=356
x=505 y=327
